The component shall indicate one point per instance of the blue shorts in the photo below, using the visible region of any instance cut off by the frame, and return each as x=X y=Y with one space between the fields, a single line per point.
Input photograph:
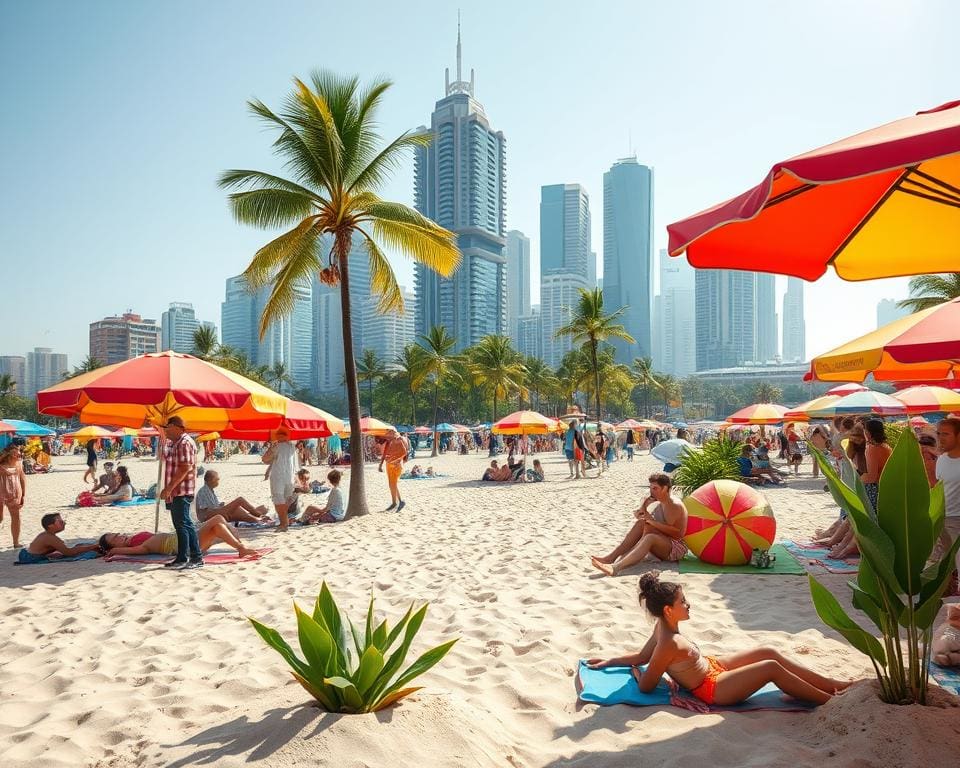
x=568 y=452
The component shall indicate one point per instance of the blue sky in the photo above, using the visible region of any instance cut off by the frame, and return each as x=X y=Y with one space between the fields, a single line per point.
x=118 y=117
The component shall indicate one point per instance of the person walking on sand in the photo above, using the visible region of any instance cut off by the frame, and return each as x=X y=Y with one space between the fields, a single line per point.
x=13 y=488
x=722 y=680
x=394 y=454
x=179 y=485
x=284 y=465
x=91 y=473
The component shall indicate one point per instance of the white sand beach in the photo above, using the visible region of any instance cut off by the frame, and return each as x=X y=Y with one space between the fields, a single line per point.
x=105 y=664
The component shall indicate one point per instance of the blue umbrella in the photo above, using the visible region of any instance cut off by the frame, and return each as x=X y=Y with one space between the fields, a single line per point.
x=680 y=424
x=29 y=429
x=444 y=427
x=403 y=428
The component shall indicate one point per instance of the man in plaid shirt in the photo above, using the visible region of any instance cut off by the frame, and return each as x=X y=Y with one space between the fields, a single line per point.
x=179 y=484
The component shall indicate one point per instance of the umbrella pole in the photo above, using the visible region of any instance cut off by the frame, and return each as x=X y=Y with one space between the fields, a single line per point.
x=156 y=517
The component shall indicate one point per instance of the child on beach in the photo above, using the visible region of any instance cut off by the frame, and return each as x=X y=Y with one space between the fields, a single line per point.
x=722 y=680
x=13 y=488
x=335 y=510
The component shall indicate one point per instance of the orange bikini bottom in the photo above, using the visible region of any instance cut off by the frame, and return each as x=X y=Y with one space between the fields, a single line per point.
x=706 y=690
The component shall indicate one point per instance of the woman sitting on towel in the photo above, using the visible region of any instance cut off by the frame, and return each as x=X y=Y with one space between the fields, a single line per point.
x=145 y=543
x=722 y=680
x=124 y=491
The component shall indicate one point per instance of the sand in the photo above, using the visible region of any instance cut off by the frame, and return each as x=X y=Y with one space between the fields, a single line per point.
x=131 y=665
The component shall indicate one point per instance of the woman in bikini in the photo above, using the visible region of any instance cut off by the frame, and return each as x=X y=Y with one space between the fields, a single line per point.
x=146 y=543
x=722 y=680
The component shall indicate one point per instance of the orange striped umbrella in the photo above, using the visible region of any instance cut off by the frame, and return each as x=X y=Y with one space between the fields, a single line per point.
x=726 y=521
x=156 y=386
x=760 y=413
x=802 y=412
x=929 y=399
x=301 y=421
x=369 y=426
x=524 y=423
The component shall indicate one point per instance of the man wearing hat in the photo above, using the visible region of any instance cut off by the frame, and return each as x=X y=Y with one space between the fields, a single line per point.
x=179 y=485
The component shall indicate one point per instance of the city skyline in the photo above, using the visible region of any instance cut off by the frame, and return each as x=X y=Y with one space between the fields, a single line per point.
x=195 y=132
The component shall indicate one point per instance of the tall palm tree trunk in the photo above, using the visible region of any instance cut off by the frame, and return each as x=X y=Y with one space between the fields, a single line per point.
x=596 y=377
x=436 y=401
x=370 y=396
x=357 y=504
x=413 y=407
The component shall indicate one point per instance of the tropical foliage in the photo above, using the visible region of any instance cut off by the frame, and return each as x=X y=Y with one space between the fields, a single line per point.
x=438 y=366
x=326 y=133
x=370 y=369
x=352 y=669
x=765 y=392
x=715 y=460
x=930 y=290
x=8 y=385
x=895 y=587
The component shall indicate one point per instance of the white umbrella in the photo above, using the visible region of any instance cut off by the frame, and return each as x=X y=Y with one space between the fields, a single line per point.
x=671 y=451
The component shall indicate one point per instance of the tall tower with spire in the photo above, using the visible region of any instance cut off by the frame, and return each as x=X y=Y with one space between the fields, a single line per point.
x=460 y=182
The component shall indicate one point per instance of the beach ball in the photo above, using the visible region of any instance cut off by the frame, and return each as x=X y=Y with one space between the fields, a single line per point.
x=726 y=521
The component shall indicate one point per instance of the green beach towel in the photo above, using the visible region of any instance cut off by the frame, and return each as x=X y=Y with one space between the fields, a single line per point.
x=785 y=565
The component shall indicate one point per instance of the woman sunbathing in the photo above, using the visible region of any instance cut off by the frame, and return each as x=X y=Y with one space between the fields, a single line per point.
x=145 y=543
x=722 y=680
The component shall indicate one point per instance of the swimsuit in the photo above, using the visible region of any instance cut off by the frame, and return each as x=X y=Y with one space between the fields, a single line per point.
x=711 y=669
x=28 y=558
x=10 y=490
x=678 y=550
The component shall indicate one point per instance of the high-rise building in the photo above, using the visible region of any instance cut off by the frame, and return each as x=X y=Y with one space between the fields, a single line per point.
x=388 y=333
x=559 y=294
x=794 y=326
x=675 y=309
x=43 y=369
x=288 y=341
x=767 y=347
x=15 y=367
x=628 y=253
x=726 y=318
x=530 y=334
x=888 y=311
x=119 y=338
x=177 y=326
x=518 y=281
x=460 y=183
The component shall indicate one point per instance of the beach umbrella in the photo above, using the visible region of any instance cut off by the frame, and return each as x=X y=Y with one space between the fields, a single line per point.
x=882 y=203
x=29 y=429
x=726 y=521
x=671 y=451
x=423 y=430
x=862 y=403
x=461 y=428
x=759 y=413
x=802 y=411
x=444 y=426
x=93 y=433
x=301 y=421
x=6 y=428
x=846 y=389
x=524 y=423
x=922 y=346
x=631 y=424
x=206 y=438
x=919 y=422
x=929 y=399
x=369 y=426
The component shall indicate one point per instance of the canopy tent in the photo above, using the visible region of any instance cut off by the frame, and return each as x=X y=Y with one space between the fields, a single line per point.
x=29 y=429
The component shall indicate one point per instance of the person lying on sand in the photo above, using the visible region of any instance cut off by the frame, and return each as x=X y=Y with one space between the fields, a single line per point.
x=146 y=543
x=842 y=542
x=237 y=511
x=49 y=546
x=661 y=522
x=496 y=473
x=722 y=680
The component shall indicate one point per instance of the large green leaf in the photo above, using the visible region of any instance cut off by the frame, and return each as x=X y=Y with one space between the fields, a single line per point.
x=327 y=613
x=930 y=599
x=379 y=638
x=397 y=657
x=315 y=642
x=422 y=664
x=371 y=664
x=324 y=694
x=352 y=701
x=876 y=548
x=938 y=509
x=833 y=615
x=395 y=632
x=904 y=512
x=368 y=627
x=274 y=639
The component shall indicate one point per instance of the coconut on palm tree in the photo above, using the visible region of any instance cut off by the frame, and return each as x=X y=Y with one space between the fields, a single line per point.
x=326 y=134
x=495 y=366
x=438 y=366
x=370 y=369
x=590 y=327
x=928 y=291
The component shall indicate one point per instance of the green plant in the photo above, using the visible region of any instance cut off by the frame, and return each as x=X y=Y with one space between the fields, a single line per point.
x=894 y=430
x=895 y=587
x=347 y=670
x=716 y=460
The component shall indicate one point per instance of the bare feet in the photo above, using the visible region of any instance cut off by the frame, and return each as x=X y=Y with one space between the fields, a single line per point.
x=606 y=559
x=245 y=552
x=606 y=568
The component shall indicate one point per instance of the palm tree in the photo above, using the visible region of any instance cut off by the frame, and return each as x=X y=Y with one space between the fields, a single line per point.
x=278 y=376
x=540 y=378
x=328 y=138
x=495 y=365
x=89 y=363
x=8 y=385
x=438 y=363
x=205 y=342
x=646 y=380
x=370 y=369
x=409 y=364
x=929 y=290
x=765 y=392
x=590 y=327
x=572 y=373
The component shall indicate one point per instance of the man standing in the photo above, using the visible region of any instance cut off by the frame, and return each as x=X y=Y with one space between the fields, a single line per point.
x=394 y=454
x=948 y=472
x=179 y=483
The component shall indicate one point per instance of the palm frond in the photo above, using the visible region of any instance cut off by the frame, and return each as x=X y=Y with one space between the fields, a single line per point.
x=299 y=265
x=320 y=126
x=360 y=139
x=300 y=157
x=377 y=168
x=424 y=241
x=928 y=291
x=242 y=178
x=383 y=281
x=271 y=257
x=268 y=208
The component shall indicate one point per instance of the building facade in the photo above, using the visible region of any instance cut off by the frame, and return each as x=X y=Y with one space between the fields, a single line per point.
x=726 y=318
x=530 y=334
x=460 y=183
x=628 y=253
x=518 y=282
x=388 y=333
x=43 y=369
x=794 y=325
x=559 y=294
x=15 y=367
x=177 y=326
x=767 y=325
x=675 y=310
x=119 y=338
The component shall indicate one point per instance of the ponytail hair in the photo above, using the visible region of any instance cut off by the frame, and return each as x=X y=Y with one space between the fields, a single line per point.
x=656 y=595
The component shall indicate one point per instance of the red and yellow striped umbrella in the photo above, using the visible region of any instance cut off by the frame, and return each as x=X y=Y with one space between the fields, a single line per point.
x=301 y=421
x=156 y=386
x=802 y=412
x=929 y=399
x=726 y=521
x=369 y=426
x=524 y=423
x=760 y=413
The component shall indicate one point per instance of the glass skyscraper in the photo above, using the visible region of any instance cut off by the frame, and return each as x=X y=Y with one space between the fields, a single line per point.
x=628 y=253
x=726 y=318
x=460 y=183
x=518 y=282
x=794 y=325
x=767 y=346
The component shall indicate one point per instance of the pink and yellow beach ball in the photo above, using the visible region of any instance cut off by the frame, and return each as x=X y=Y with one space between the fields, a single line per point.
x=726 y=521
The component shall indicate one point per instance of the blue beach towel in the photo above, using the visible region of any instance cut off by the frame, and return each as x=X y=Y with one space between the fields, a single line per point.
x=25 y=558
x=947 y=678
x=616 y=685
x=820 y=556
x=136 y=501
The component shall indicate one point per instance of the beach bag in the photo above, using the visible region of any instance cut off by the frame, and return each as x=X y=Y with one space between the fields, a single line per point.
x=151 y=492
x=85 y=499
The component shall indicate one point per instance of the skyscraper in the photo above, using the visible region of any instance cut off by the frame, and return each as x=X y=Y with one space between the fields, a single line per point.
x=794 y=326
x=767 y=346
x=177 y=326
x=518 y=281
x=564 y=261
x=387 y=334
x=628 y=253
x=15 y=367
x=530 y=334
x=44 y=368
x=115 y=339
x=888 y=311
x=726 y=318
x=460 y=183
x=676 y=312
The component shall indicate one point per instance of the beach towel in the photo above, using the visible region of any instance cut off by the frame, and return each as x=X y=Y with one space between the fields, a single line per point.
x=616 y=685
x=136 y=501
x=947 y=678
x=408 y=476
x=217 y=556
x=25 y=558
x=811 y=554
x=785 y=565
x=267 y=524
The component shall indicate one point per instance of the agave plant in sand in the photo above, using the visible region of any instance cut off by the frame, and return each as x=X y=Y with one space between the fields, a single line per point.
x=716 y=460
x=348 y=670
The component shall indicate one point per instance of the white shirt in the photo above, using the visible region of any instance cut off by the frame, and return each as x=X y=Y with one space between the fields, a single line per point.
x=948 y=470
